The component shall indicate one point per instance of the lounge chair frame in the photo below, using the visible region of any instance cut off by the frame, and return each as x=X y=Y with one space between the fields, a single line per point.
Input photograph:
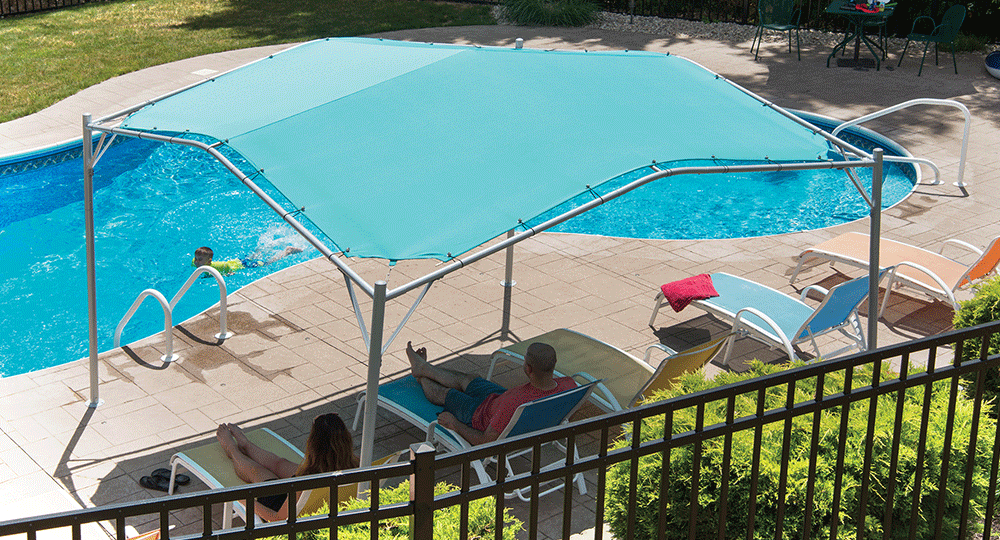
x=930 y=284
x=308 y=501
x=771 y=333
x=439 y=435
x=615 y=368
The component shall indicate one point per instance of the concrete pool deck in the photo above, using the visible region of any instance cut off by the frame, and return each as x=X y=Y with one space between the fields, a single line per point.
x=297 y=351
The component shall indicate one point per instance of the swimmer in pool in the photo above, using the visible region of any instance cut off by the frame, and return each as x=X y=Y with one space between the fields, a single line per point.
x=203 y=257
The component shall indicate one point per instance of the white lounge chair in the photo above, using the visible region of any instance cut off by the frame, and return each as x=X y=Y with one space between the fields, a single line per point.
x=917 y=268
x=778 y=320
x=624 y=379
x=211 y=464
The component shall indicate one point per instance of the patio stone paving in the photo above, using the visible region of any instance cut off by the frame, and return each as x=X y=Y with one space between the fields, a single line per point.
x=297 y=351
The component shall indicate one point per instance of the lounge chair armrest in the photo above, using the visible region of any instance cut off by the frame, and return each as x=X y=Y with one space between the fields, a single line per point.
x=785 y=342
x=659 y=347
x=817 y=288
x=960 y=243
x=430 y=432
x=937 y=279
x=609 y=398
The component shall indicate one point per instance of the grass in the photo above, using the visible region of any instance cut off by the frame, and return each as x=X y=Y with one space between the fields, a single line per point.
x=52 y=55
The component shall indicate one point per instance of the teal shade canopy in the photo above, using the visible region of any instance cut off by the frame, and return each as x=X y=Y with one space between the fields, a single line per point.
x=407 y=150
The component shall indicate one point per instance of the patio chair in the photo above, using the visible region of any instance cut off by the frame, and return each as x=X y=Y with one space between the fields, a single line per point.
x=779 y=320
x=946 y=32
x=780 y=15
x=406 y=399
x=211 y=464
x=623 y=379
x=930 y=273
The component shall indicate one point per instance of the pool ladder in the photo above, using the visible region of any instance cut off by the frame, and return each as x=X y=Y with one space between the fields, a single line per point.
x=168 y=309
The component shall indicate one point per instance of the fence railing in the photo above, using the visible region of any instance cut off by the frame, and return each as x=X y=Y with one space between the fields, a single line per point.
x=898 y=442
x=15 y=7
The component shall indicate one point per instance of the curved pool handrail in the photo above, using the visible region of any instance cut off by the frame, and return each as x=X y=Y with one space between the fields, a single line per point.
x=168 y=309
x=921 y=101
x=169 y=355
x=223 y=295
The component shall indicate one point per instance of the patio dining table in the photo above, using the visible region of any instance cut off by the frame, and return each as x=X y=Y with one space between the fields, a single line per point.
x=857 y=20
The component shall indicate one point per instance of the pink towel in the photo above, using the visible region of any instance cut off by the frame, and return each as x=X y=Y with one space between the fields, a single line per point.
x=682 y=292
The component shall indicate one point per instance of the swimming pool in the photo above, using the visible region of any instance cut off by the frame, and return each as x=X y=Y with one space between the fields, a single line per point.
x=739 y=205
x=147 y=232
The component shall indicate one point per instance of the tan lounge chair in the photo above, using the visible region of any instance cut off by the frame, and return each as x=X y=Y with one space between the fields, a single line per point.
x=210 y=464
x=928 y=272
x=624 y=378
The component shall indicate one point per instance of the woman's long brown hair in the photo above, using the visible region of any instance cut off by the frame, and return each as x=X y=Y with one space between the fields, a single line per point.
x=329 y=448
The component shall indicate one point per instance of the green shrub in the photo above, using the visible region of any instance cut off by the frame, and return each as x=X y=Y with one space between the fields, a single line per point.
x=446 y=520
x=678 y=493
x=550 y=12
x=983 y=308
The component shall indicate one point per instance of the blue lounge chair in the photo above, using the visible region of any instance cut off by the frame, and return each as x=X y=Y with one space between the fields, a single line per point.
x=778 y=320
x=405 y=398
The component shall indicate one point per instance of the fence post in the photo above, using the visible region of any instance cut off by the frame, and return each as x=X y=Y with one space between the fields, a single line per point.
x=422 y=490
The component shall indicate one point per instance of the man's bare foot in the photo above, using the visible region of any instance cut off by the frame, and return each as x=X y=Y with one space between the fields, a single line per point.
x=226 y=440
x=418 y=360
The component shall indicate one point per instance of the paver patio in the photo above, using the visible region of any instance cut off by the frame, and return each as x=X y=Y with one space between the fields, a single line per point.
x=297 y=351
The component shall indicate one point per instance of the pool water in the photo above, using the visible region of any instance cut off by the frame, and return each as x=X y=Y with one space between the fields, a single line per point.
x=737 y=205
x=155 y=204
x=146 y=233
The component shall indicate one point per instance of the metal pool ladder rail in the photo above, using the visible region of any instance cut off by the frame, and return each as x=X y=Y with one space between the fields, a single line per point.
x=168 y=309
x=922 y=101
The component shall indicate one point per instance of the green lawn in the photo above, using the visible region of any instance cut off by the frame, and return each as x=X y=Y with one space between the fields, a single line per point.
x=48 y=56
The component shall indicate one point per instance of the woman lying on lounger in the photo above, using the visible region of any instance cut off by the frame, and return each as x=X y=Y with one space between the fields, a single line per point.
x=329 y=448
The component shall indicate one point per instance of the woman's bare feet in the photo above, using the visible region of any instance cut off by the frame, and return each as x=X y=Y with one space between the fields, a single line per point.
x=418 y=360
x=238 y=436
x=226 y=440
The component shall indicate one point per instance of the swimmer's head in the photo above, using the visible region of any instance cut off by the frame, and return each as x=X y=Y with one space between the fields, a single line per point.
x=203 y=256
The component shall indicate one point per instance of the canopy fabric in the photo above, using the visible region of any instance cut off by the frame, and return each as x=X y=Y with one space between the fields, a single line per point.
x=405 y=150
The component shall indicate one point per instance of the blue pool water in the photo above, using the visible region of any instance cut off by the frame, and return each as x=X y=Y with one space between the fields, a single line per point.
x=738 y=205
x=155 y=204
x=146 y=234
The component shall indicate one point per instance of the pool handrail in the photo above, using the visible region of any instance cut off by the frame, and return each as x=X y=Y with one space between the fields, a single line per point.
x=168 y=309
x=913 y=102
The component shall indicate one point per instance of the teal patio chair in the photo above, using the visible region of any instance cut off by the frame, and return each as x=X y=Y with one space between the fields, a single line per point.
x=946 y=32
x=780 y=15
x=406 y=399
x=778 y=320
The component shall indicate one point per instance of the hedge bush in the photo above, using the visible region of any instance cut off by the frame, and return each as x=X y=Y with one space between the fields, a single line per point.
x=550 y=12
x=983 y=308
x=446 y=520
x=679 y=491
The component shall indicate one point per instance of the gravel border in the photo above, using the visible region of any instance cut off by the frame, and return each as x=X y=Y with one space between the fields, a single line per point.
x=718 y=31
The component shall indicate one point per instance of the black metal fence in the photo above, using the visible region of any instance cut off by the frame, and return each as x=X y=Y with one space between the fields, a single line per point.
x=15 y=7
x=894 y=443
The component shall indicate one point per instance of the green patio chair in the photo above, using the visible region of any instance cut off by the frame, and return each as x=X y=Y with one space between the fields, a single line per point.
x=780 y=15
x=946 y=32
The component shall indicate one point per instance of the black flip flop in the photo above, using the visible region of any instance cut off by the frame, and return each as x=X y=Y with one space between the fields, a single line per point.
x=180 y=480
x=155 y=482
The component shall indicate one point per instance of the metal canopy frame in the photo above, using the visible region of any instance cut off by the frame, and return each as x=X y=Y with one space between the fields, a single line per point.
x=379 y=291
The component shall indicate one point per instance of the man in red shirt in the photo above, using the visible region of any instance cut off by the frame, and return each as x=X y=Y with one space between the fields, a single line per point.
x=477 y=409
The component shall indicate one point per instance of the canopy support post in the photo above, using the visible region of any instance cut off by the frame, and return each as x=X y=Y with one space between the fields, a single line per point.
x=873 y=249
x=374 y=372
x=508 y=290
x=88 y=211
